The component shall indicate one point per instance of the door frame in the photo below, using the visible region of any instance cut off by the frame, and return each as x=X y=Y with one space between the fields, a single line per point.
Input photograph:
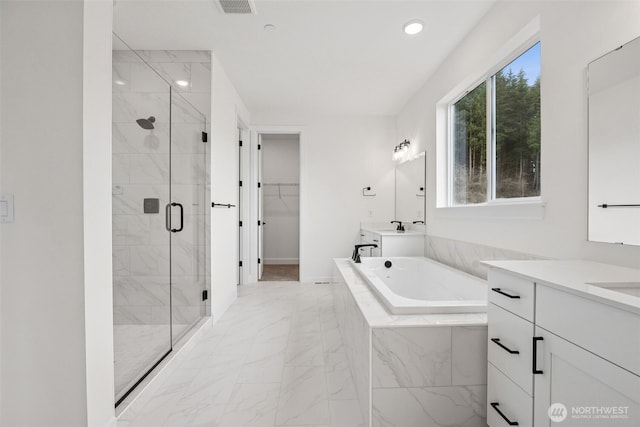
x=244 y=203
x=256 y=131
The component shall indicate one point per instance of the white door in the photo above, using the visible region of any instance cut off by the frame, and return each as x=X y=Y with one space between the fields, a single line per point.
x=591 y=390
x=260 y=211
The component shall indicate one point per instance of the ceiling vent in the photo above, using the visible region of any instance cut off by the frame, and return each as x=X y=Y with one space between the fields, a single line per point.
x=237 y=6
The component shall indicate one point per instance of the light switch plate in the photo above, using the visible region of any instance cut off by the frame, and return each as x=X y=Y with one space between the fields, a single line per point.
x=6 y=208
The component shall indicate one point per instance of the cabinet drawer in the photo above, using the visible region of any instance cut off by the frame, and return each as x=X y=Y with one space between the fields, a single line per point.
x=510 y=346
x=506 y=400
x=511 y=293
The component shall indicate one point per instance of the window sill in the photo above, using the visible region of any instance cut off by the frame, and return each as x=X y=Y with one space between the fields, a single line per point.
x=529 y=210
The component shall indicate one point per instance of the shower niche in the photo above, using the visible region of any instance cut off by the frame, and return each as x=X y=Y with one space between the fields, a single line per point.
x=160 y=198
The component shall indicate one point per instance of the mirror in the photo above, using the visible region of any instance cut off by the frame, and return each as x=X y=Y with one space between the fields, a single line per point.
x=614 y=146
x=410 y=189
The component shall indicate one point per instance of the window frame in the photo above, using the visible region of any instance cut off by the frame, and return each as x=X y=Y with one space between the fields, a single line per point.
x=488 y=78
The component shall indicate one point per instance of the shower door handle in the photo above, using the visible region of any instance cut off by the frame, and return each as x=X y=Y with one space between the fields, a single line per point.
x=177 y=230
x=167 y=213
x=167 y=217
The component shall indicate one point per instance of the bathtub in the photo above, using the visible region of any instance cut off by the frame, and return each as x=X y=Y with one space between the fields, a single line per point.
x=423 y=286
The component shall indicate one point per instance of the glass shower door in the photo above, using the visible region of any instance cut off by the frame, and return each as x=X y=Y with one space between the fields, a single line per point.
x=141 y=244
x=188 y=215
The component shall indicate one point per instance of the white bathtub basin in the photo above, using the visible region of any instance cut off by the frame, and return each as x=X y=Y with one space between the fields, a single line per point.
x=422 y=286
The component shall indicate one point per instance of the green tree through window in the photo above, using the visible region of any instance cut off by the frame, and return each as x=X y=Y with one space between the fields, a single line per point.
x=515 y=103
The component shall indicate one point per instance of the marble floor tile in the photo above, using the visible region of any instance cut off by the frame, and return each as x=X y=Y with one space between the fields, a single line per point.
x=251 y=405
x=345 y=413
x=340 y=384
x=303 y=398
x=304 y=350
x=273 y=359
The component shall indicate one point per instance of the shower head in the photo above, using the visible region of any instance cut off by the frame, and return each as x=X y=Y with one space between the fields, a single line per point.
x=147 y=123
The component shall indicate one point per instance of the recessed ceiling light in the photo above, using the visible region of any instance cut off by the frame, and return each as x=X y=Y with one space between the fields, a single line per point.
x=269 y=27
x=182 y=83
x=120 y=82
x=413 y=27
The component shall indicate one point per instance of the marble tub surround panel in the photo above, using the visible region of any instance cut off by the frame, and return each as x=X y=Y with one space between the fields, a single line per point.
x=411 y=357
x=356 y=335
x=411 y=370
x=467 y=256
x=429 y=376
x=429 y=406
x=141 y=170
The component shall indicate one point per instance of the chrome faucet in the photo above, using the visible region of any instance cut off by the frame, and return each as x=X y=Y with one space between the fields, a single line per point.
x=356 y=251
x=400 y=226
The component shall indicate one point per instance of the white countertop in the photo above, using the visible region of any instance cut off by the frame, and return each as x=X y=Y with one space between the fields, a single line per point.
x=577 y=277
x=378 y=317
x=388 y=232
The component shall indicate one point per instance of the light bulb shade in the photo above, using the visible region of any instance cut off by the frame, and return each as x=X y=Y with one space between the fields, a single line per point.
x=413 y=27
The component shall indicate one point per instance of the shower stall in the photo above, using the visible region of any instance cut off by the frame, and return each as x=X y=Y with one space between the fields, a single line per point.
x=160 y=206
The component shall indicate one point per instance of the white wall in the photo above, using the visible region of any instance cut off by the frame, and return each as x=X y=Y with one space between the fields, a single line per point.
x=56 y=275
x=281 y=164
x=339 y=155
x=226 y=108
x=96 y=149
x=572 y=35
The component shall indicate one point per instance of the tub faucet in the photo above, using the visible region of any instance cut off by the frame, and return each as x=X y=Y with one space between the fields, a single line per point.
x=400 y=226
x=356 y=251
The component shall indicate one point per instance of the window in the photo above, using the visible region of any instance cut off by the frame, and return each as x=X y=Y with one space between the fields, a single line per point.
x=495 y=135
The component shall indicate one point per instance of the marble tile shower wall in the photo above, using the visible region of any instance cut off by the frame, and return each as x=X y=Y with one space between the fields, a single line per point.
x=466 y=256
x=141 y=170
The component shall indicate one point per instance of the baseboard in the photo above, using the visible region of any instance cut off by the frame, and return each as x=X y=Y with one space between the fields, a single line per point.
x=281 y=261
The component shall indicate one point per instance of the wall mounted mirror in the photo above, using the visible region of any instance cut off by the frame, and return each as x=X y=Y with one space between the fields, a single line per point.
x=614 y=146
x=410 y=189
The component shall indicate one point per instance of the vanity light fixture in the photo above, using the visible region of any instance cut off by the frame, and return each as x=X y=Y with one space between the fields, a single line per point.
x=413 y=27
x=182 y=83
x=401 y=149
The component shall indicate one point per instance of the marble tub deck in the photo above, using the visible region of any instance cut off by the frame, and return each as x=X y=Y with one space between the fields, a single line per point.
x=275 y=358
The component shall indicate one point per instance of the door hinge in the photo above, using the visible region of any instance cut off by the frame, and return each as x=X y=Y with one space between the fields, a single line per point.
x=259 y=261
x=240 y=183
x=205 y=295
x=259 y=147
x=259 y=223
x=240 y=143
x=259 y=185
x=240 y=263
x=205 y=137
x=240 y=223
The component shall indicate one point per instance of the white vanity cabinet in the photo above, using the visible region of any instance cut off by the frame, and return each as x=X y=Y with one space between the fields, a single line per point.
x=391 y=243
x=555 y=341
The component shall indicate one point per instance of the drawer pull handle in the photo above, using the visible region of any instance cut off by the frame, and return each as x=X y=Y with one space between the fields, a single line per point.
x=535 y=355
x=501 y=292
x=504 y=347
x=504 y=417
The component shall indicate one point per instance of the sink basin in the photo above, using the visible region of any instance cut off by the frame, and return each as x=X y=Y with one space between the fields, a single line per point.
x=627 y=288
